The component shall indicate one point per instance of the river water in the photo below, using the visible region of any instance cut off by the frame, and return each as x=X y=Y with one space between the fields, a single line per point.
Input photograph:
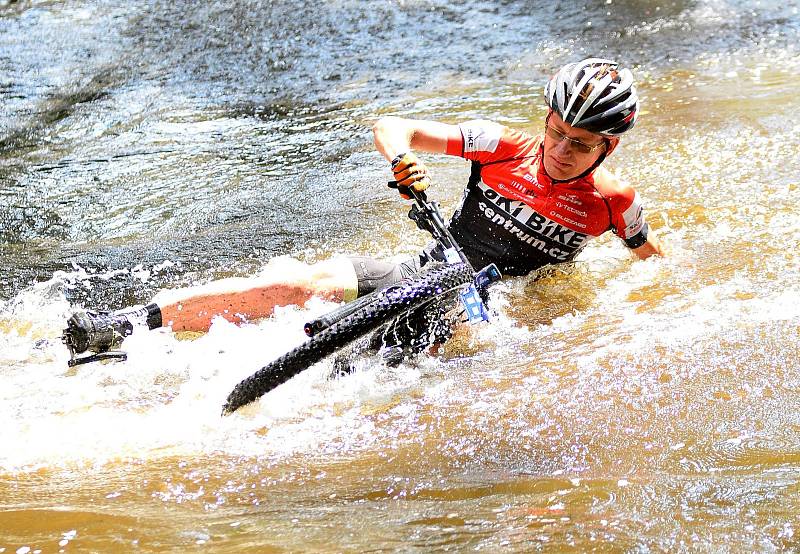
x=615 y=405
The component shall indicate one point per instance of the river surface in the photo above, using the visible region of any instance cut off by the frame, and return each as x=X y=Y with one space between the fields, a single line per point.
x=614 y=405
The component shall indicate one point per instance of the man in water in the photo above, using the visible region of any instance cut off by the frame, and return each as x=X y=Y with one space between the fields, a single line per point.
x=530 y=201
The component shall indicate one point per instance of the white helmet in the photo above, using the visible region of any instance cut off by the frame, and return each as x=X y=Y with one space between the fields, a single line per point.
x=594 y=94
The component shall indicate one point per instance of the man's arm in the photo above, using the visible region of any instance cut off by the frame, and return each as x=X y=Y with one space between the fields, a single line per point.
x=627 y=216
x=395 y=136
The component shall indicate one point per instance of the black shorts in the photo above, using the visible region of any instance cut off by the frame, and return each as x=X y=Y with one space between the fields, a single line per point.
x=376 y=274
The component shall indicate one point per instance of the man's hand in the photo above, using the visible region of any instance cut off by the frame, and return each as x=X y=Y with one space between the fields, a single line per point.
x=651 y=247
x=409 y=173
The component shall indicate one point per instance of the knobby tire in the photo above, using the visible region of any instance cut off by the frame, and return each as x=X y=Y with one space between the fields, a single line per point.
x=394 y=301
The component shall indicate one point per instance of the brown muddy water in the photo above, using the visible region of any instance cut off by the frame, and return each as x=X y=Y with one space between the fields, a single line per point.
x=614 y=405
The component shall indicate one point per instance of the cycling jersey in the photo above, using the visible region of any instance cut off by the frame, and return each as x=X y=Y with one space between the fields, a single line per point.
x=514 y=215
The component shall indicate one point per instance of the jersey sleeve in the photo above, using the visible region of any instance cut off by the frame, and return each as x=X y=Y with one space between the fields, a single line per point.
x=627 y=216
x=485 y=141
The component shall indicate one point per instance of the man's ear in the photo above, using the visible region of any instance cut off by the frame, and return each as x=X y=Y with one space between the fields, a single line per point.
x=612 y=144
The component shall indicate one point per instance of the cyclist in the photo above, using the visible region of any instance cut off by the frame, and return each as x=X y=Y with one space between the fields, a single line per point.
x=530 y=201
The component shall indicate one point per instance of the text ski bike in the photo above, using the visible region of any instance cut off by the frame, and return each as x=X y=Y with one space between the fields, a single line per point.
x=404 y=316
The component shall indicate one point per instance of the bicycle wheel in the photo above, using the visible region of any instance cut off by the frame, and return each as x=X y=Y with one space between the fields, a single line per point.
x=390 y=303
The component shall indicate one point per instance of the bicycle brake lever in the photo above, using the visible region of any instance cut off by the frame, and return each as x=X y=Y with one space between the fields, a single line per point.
x=418 y=216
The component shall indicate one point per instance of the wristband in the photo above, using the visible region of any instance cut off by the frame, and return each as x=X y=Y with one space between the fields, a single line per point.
x=638 y=239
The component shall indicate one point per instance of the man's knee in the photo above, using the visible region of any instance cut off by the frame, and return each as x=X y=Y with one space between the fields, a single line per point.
x=335 y=276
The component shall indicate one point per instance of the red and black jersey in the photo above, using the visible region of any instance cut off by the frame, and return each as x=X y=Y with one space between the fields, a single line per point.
x=514 y=215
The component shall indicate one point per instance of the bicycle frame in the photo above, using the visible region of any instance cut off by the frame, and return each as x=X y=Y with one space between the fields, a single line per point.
x=427 y=216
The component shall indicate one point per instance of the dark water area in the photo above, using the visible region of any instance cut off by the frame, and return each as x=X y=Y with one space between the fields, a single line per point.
x=122 y=124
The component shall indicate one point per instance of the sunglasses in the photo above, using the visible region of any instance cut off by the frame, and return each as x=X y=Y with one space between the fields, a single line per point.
x=576 y=145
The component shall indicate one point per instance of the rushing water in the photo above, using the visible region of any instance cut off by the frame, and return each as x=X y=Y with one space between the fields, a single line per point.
x=616 y=405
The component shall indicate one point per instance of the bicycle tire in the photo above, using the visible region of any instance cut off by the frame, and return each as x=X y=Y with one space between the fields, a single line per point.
x=390 y=303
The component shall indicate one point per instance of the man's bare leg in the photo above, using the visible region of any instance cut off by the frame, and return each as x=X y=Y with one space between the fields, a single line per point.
x=283 y=282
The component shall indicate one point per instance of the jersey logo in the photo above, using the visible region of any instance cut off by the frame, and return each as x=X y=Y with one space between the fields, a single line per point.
x=529 y=226
x=633 y=218
x=481 y=136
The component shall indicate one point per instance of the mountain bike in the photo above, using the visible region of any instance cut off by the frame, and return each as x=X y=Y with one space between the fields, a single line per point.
x=402 y=319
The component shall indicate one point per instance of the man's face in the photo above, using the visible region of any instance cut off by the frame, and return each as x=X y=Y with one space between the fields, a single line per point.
x=565 y=159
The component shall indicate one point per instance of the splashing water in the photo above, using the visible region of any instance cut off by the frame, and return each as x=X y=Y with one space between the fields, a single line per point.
x=609 y=405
